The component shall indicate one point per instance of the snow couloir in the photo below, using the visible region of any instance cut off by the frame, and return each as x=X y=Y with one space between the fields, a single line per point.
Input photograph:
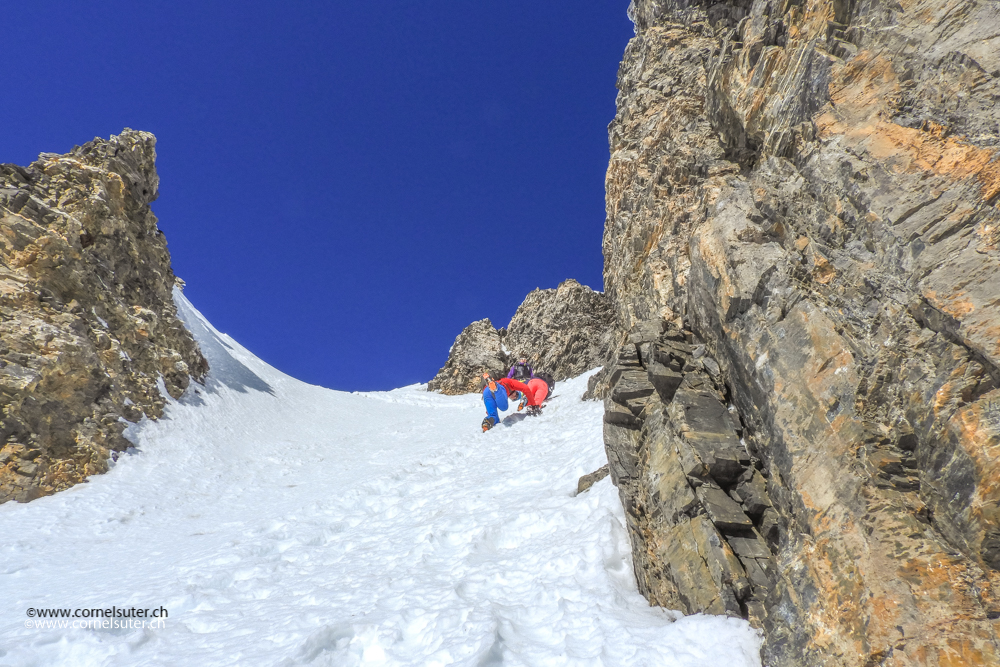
x=280 y=523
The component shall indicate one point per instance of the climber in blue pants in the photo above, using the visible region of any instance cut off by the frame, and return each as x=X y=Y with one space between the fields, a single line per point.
x=494 y=397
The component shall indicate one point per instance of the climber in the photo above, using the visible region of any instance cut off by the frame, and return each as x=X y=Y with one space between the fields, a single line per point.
x=537 y=391
x=521 y=370
x=494 y=397
x=496 y=392
x=530 y=394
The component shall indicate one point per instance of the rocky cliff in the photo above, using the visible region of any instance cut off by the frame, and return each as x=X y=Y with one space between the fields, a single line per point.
x=802 y=240
x=563 y=331
x=90 y=333
x=478 y=349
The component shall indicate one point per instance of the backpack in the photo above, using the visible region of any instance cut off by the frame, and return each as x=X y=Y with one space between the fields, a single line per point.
x=548 y=380
x=522 y=372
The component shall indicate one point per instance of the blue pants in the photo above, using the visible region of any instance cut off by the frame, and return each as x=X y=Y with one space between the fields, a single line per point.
x=493 y=400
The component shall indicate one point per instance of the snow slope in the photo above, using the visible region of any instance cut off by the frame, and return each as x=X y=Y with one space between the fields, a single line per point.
x=286 y=524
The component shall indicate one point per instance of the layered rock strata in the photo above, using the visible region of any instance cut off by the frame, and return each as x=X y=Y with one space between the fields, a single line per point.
x=699 y=515
x=88 y=326
x=563 y=331
x=811 y=190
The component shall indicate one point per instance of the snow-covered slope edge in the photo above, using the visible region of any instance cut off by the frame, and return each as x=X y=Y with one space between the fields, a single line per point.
x=282 y=523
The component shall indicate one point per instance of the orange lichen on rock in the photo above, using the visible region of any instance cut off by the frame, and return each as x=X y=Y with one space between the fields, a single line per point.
x=977 y=429
x=859 y=92
x=823 y=272
x=957 y=306
x=977 y=322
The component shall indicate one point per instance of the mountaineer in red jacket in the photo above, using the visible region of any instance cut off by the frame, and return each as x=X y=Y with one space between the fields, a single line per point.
x=533 y=393
x=495 y=393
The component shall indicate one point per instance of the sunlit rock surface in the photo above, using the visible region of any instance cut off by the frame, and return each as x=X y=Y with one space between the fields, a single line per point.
x=808 y=192
x=89 y=328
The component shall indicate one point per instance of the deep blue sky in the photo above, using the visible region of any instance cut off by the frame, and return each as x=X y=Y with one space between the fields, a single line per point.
x=343 y=185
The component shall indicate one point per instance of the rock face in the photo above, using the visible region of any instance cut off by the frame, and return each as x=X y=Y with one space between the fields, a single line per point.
x=811 y=191
x=563 y=331
x=86 y=314
x=699 y=514
x=477 y=350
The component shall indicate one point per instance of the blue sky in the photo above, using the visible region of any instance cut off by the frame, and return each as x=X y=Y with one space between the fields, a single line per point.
x=344 y=186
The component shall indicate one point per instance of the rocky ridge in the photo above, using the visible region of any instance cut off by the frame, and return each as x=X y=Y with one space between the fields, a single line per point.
x=89 y=329
x=563 y=331
x=810 y=191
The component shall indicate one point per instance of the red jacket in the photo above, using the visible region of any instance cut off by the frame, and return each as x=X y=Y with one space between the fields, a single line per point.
x=513 y=385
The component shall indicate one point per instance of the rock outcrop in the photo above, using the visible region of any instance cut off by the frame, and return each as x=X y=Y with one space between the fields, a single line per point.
x=563 y=331
x=811 y=191
x=700 y=518
x=88 y=327
x=478 y=349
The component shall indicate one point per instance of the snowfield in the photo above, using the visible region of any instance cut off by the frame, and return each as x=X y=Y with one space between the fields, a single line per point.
x=281 y=523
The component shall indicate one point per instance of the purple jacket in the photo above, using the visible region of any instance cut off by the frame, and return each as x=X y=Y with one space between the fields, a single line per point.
x=521 y=369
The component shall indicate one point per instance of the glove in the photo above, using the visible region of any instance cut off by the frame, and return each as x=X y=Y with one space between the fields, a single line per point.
x=520 y=406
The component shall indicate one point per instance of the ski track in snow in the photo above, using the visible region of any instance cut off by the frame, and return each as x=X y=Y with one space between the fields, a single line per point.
x=286 y=524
